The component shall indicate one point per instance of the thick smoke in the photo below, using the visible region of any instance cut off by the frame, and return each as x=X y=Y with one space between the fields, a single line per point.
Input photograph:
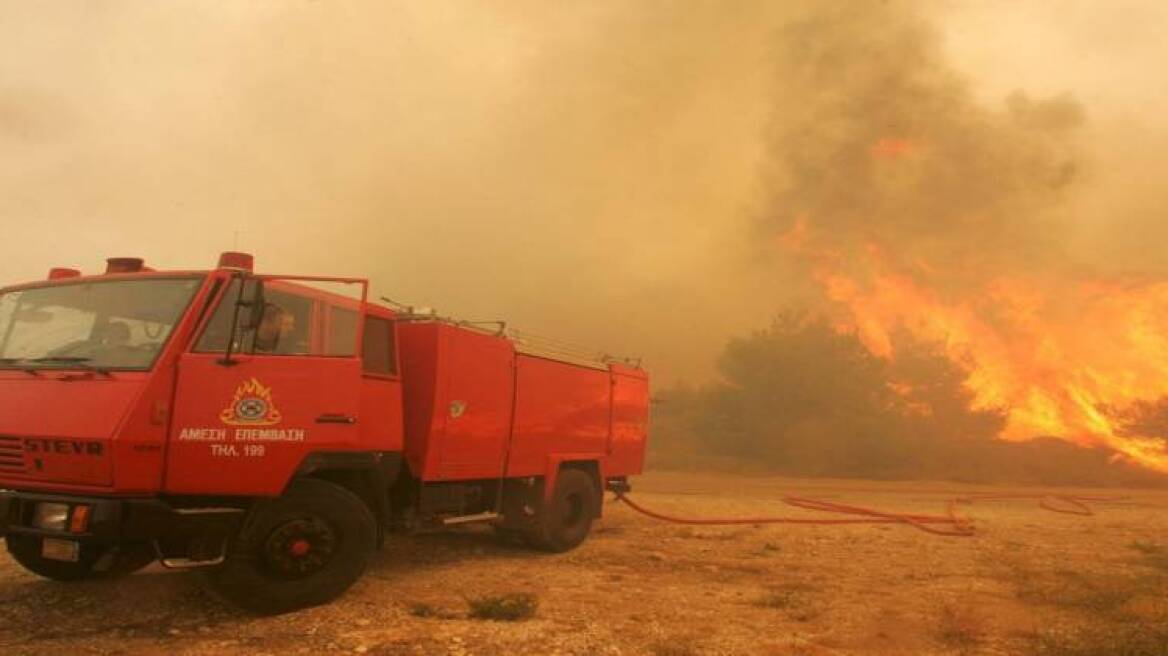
x=884 y=146
x=585 y=172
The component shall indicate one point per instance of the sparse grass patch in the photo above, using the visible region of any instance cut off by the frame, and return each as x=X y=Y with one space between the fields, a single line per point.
x=741 y=568
x=806 y=613
x=1154 y=555
x=506 y=608
x=1147 y=548
x=1115 y=639
x=960 y=627
x=1070 y=589
x=428 y=611
x=780 y=599
x=1116 y=617
x=672 y=647
x=791 y=598
x=716 y=534
x=423 y=610
x=768 y=549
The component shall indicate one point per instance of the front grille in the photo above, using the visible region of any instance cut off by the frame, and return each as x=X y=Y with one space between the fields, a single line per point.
x=11 y=455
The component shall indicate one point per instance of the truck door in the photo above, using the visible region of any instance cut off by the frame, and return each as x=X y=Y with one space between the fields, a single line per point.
x=270 y=379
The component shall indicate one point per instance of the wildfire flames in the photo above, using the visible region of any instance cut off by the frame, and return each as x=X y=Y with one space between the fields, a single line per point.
x=929 y=219
x=1083 y=360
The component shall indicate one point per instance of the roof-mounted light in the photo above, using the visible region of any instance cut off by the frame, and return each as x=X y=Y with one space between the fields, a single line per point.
x=124 y=265
x=237 y=261
x=58 y=273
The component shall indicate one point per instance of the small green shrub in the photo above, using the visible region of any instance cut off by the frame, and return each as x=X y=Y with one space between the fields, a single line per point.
x=507 y=608
x=423 y=610
x=781 y=599
x=960 y=627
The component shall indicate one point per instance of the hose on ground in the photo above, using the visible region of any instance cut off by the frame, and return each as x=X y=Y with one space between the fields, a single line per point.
x=951 y=524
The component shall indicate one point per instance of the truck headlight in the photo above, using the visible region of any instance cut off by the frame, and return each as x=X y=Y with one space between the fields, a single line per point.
x=50 y=516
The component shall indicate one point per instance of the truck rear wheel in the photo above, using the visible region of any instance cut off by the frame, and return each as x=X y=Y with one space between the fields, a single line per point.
x=567 y=518
x=304 y=548
x=94 y=562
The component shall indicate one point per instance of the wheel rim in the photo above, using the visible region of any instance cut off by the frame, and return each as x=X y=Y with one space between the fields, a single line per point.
x=300 y=548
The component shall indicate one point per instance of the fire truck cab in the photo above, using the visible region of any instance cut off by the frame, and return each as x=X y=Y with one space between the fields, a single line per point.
x=273 y=430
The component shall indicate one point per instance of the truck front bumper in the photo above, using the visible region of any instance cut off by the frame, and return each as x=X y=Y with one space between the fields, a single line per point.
x=115 y=519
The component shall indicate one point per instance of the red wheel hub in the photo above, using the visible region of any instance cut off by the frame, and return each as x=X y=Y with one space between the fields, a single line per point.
x=300 y=548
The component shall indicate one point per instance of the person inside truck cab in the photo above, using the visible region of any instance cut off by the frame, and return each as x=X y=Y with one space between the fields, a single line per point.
x=274 y=334
x=114 y=346
x=116 y=335
x=106 y=341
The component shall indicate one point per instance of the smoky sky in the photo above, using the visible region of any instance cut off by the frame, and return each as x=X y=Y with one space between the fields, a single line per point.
x=611 y=173
x=888 y=148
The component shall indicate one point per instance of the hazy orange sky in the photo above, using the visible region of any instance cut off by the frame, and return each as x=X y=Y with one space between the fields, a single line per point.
x=590 y=172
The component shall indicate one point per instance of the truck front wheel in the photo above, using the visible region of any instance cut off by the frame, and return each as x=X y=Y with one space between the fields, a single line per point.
x=567 y=518
x=304 y=548
x=93 y=561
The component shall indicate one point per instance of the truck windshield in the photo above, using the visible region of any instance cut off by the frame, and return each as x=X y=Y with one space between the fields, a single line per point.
x=105 y=324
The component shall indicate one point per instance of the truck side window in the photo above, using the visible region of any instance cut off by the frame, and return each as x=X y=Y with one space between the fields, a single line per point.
x=285 y=329
x=378 y=352
x=342 y=332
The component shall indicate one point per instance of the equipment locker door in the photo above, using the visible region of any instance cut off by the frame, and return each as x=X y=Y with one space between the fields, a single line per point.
x=273 y=376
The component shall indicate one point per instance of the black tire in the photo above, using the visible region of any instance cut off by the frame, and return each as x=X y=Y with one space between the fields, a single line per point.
x=301 y=549
x=566 y=520
x=95 y=562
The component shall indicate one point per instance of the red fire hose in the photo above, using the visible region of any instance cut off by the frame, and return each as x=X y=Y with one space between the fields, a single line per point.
x=950 y=524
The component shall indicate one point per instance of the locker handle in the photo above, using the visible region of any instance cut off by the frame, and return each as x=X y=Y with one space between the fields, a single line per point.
x=333 y=418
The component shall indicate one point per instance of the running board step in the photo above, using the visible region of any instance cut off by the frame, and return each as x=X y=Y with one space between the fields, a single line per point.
x=469 y=519
x=180 y=562
x=187 y=563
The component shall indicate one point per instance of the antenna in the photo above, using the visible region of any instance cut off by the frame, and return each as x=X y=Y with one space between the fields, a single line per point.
x=400 y=306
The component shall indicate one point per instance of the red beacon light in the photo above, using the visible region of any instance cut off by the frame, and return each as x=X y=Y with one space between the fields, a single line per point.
x=124 y=265
x=237 y=261
x=59 y=273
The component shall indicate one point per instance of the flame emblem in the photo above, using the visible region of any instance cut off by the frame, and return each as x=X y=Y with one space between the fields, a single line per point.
x=251 y=406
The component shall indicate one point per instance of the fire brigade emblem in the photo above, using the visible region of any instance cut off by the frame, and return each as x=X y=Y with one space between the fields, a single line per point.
x=251 y=406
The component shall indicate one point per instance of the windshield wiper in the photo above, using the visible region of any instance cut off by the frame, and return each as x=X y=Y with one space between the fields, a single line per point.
x=80 y=362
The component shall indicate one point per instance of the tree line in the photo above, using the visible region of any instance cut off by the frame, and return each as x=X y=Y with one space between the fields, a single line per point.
x=803 y=398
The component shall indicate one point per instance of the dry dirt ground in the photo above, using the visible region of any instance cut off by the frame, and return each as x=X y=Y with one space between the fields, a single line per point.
x=1031 y=581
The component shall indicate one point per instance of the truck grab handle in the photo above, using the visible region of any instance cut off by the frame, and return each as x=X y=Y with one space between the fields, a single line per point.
x=333 y=418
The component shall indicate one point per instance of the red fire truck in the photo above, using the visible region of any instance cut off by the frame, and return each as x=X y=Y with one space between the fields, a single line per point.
x=272 y=430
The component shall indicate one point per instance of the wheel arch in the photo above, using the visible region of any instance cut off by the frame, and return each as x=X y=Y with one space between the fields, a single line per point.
x=367 y=474
x=589 y=464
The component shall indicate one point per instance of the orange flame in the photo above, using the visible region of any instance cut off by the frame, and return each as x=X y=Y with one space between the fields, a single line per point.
x=1061 y=359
